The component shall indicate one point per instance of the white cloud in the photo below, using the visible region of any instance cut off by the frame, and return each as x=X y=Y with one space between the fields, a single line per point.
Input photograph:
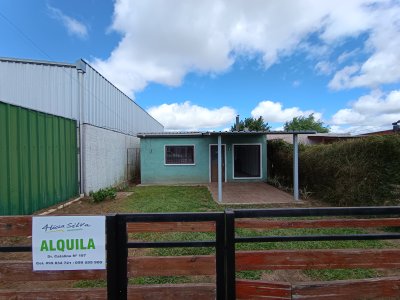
x=324 y=67
x=188 y=116
x=383 y=64
x=164 y=40
x=274 y=112
x=342 y=77
x=346 y=55
x=73 y=26
x=376 y=111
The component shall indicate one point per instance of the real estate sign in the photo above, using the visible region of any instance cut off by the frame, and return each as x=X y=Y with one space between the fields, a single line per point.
x=68 y=243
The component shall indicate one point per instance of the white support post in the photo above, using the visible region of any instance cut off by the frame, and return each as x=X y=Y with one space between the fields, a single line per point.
x=295 y=167
x=219 y=170
x=266 y=160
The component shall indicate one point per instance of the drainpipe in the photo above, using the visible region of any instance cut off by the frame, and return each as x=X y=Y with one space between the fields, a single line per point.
x=219 y=170
x=295 y=167
x=81 y=68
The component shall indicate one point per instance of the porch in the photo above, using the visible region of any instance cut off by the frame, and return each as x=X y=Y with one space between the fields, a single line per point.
x=250 y=193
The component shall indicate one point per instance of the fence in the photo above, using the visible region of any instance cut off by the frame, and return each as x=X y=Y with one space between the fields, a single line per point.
x=133 y=165
x=225 y=262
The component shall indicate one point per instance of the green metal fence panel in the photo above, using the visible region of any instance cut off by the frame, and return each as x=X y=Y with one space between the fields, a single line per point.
x=38 y=160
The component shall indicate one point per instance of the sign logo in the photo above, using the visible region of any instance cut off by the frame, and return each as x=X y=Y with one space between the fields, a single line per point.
x=68 y=243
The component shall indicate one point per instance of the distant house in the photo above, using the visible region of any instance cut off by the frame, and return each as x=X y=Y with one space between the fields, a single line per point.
x=312 y=139
x=382 y=132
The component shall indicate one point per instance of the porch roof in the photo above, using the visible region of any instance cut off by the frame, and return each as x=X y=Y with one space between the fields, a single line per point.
x=219 y=133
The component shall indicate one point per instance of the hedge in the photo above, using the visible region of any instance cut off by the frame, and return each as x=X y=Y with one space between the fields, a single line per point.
x=356 y=172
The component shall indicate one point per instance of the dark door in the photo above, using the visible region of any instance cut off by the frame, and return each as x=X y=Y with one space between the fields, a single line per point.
x=214 y=162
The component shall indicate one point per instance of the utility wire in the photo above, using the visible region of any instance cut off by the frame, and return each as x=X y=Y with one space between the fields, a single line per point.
x=25 y=36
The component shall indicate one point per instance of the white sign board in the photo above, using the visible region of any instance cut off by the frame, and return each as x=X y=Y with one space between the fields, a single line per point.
x=69 y=243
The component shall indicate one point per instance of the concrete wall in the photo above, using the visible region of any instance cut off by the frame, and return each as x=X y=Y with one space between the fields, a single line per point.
x=104 y=157
x=154 y=170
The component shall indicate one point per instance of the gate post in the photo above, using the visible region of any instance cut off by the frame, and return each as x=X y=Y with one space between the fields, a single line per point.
x=112 y=257
x=220 y=262
x=230 y=273
x=122 y=253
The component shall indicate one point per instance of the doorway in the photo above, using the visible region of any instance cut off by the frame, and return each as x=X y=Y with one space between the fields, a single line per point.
x=214 y=163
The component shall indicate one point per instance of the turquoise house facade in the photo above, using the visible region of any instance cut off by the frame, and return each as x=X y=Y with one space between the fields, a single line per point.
x=192 y=157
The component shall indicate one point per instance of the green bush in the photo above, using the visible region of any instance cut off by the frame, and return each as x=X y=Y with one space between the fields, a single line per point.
x=103 y=194
x=357 y=172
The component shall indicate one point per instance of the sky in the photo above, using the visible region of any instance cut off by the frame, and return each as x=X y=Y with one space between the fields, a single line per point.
x=195 y=65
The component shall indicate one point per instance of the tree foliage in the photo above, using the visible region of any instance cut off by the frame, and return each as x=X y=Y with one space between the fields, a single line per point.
x=252 y=124
x=306 y=123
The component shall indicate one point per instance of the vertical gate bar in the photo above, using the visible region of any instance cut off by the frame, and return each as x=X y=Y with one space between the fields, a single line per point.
x=220 y=256
x=122 y=251
x=112 y=257
x=230 y=254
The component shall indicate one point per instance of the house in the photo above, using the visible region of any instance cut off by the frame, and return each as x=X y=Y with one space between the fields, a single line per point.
x=64 y=130
x=193 y=157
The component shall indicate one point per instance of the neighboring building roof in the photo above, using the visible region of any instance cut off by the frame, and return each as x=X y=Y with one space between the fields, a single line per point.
x=216 y=133
x=383 y=132
x=317 y=138
x=52 y=87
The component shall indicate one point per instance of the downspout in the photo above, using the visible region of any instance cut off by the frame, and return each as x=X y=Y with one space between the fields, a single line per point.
x=81 y=68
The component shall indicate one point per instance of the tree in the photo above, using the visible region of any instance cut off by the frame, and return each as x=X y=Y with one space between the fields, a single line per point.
x=252 y=124
x=306 y=123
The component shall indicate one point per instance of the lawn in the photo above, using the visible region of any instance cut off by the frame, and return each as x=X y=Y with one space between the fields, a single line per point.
x=170 y=199
x=198 y=199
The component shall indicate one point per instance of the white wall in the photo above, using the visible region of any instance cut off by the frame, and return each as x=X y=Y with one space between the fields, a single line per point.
x=105 y=157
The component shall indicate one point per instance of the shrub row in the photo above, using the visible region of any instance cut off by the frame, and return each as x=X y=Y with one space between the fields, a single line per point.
x=361 y=171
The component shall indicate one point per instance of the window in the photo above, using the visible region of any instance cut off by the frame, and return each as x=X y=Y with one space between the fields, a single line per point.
x=247 y=161
x=179 y=155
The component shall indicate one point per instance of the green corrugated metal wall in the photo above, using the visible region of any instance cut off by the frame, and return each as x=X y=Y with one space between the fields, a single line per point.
x=38 y=160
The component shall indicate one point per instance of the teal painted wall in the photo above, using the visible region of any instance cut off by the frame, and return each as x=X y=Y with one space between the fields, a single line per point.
x=153 y=169
x=38 y=160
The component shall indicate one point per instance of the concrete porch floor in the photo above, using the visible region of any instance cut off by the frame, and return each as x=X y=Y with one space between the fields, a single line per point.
x=250 y=193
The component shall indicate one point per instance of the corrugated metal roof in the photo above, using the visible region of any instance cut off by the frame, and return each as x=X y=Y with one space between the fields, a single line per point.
x=37 y=62
x=52 y=88
x=216 y=133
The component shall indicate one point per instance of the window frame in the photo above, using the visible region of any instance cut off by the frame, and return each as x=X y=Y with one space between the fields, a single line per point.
x=233 y=160
x=185 y=145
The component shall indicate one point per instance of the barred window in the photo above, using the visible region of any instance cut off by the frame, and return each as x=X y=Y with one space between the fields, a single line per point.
x=179 y=155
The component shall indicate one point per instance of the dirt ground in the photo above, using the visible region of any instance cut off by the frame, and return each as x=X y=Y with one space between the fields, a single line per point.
x=87 y=206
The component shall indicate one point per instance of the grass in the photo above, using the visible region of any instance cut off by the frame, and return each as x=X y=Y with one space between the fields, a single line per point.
x=170 y=199
x=198 y=199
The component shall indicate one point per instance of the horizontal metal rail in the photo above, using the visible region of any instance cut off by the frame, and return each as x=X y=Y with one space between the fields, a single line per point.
x=314 y=238
x=317 y=212
x=171 y=217
x=15 y=248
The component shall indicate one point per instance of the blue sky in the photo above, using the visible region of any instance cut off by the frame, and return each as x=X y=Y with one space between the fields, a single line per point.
x=194 y=65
